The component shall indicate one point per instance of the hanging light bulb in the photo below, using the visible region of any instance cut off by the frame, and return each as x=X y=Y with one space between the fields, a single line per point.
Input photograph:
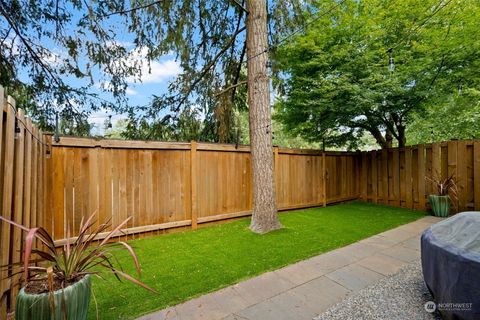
x=391 y=62
x=109 y=124
x=18 y=132
x=391 y=65
x=384 y=102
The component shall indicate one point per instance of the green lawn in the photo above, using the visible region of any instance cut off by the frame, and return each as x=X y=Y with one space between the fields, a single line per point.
x=184 y=265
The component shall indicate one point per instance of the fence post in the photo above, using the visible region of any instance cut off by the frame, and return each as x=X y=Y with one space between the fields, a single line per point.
x=193 y=183
x=275 y=167
x=421 y=177
x=324 y=178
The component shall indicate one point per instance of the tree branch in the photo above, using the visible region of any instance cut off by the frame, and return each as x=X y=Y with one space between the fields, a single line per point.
x=207 y=68
x=239 y=69
x=240 y=5
x=233 y=86
x=125 y=11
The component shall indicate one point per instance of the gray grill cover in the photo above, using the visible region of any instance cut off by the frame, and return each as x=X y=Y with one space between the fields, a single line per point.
x=451 y=264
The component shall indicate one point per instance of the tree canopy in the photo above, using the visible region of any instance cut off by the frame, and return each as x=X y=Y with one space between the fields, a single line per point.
x=64 y=56
x=54 y=54
x=371 y=67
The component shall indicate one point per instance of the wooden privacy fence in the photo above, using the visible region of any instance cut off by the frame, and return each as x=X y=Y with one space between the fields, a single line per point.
x=22 y=170
x=397 y=176
x=165 y=185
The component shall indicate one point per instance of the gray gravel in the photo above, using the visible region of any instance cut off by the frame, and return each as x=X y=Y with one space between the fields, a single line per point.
x=401 y=296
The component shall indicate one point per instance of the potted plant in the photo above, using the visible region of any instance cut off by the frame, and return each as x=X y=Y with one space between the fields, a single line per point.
x=58 y=280
x=446 y=188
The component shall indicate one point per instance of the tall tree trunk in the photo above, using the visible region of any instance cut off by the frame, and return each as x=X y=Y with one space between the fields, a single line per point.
x=264 y=216
x=402 y=139
x=388 y=139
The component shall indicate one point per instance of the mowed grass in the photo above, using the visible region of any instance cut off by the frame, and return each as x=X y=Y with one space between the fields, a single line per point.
x=184 y=265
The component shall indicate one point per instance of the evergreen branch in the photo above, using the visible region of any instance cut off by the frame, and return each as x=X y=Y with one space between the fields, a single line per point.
x=125 y=11
x=207 y=68
x=233 y=86
x=240 y=5
x=239 y=69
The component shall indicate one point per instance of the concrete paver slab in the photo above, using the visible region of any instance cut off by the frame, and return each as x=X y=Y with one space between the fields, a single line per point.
x=300 y=272
x=401 y=252
x=262 y=287
x=354 y=276
x=412 y=243
x=382 y=264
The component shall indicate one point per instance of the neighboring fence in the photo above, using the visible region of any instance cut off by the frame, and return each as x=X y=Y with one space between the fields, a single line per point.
x=397 y=176
x=22 y=169
x=169 y=185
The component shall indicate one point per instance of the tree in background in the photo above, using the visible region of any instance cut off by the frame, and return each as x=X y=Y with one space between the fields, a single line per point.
x=371 y=66
x=53 y=55
x=457 y=117
x=214 y=41
x=208 y=38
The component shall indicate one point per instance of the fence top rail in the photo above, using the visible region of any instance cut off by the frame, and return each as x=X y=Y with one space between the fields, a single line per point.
x=87 y=142
x=427 y=145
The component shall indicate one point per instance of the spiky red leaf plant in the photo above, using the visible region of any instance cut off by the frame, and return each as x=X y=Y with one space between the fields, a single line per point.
x=77 y=258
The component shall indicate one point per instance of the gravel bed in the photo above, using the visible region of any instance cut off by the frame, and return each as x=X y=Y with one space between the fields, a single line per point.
x=401 y=296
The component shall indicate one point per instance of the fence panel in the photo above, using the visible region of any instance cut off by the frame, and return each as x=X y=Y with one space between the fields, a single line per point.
x=163 y=185
x=406 y=170
x=21 y=159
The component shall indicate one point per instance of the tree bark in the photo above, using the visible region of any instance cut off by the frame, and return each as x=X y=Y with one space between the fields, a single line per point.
x=402 y=139
x=264 y=215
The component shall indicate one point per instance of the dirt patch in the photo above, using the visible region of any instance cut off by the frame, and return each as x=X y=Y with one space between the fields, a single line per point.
x=38 y=286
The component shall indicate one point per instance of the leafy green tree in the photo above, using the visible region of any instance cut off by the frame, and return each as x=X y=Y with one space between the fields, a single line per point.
x=369 y=66
x=457 y=117
x=213 y=41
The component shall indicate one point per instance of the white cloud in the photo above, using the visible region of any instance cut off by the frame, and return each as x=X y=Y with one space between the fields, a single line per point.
x=156 y=71
x=131 y=92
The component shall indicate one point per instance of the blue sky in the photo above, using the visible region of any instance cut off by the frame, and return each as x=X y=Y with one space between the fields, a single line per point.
x=154 y=79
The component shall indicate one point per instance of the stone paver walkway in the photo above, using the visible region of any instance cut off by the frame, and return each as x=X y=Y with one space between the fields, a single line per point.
x=307 y=288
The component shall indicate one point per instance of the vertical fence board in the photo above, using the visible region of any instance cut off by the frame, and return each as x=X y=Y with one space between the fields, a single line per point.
x=374 y=177
x=33 y=191
x=385 y=176
x=460 y=171
x=421 y=177
x=18 y=186
x=476 y=170
x=408 y=178
x=364 y=180
x=7 y=196
x=452 y=167
x=27 y=172
x=193 y=184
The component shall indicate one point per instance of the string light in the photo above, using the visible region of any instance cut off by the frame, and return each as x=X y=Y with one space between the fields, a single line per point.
x=109 y=123
x=18 y=132
x=391 y=62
